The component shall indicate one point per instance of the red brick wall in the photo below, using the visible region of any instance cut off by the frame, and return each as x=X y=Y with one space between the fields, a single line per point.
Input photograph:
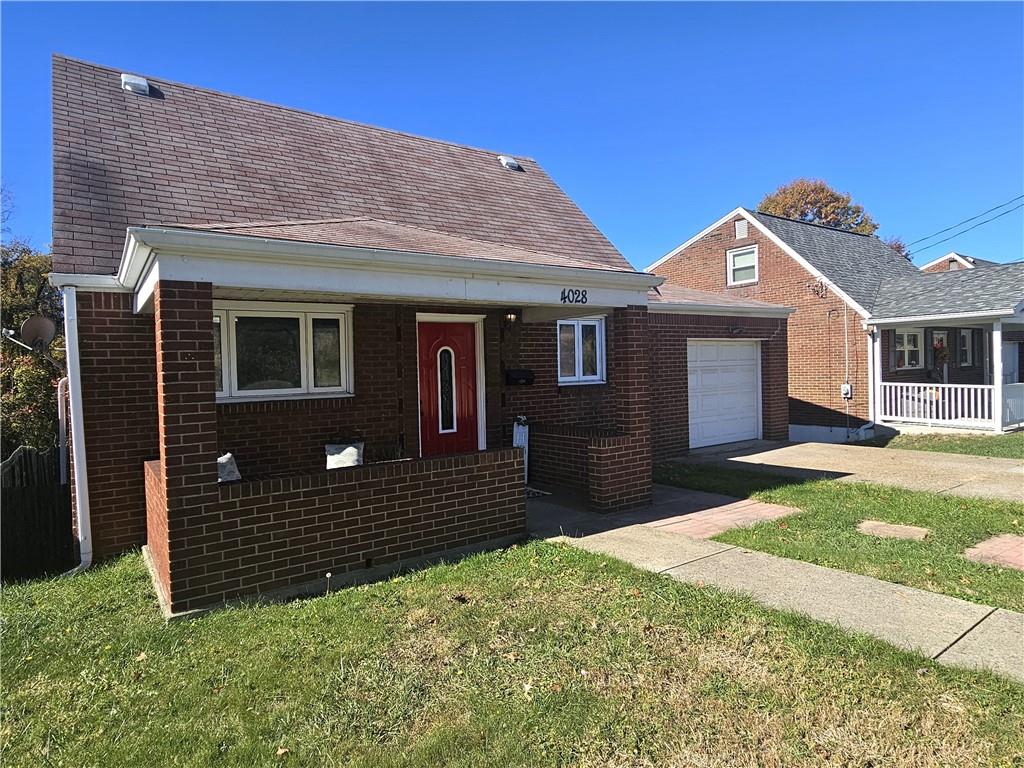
x=274 y=533
x=942 y=266
x=118 y=366
x=973 y=374
x=156 y=523
x=670 y=424
x=817 y=363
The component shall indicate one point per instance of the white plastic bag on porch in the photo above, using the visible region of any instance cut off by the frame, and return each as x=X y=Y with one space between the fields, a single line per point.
x=344 y=455
x=227 y=469
x=521 y=439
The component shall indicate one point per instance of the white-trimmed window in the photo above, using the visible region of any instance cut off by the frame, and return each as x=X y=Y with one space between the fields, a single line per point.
x=581 y=351
x=907 y=349
x=966 y=347
x=280 y=350
x=742 y=265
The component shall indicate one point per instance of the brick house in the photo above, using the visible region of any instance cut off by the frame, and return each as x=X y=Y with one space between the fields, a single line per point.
x=953 y=261
x=874 y=340
x=359 y=317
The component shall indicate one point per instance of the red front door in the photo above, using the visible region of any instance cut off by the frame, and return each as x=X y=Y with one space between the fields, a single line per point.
x=448 y=417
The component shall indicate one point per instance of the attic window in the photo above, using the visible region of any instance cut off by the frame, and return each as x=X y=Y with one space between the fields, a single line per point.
x=510 y=162
x=741 y=229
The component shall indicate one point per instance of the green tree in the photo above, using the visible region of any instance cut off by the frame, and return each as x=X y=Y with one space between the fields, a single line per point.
x=813 y=200
x=28 y=381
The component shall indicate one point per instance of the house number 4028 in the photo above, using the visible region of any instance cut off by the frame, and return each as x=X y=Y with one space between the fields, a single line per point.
x=574 y=296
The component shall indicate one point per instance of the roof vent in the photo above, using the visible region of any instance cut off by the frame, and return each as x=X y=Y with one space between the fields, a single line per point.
x=135 y=84
x=510 y=162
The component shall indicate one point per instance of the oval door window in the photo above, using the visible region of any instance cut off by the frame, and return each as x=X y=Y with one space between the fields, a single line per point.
x=446 y=389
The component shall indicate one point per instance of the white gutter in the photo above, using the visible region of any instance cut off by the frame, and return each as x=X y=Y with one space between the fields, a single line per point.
x=142 y=242
x=77 y=429
x=998 y=314
x=97 y=283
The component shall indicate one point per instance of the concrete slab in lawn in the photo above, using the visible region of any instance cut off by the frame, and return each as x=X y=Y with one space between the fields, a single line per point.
x=904 y=616
x=892 y=530
x=997 y=643
x=1006 y=549
x=649 y=548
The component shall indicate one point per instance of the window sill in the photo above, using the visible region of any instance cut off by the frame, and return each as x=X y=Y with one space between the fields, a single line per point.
x=272 y=398
x=581 y=383
x=743 y=284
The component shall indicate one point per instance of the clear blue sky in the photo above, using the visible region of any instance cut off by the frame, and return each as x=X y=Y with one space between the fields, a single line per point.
x=656 y=119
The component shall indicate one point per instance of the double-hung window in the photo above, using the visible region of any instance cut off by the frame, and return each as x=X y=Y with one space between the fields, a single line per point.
x=966 y=347
x=581 y=351
x=907 y=349
x=270 y=350
x=742 y=265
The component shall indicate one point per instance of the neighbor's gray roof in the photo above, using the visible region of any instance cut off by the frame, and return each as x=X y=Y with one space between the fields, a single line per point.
x=997 y=288
x=855 y=263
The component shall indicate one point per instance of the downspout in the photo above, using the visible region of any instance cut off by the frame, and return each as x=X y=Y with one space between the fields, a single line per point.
x=62 y=427
x=77 y=430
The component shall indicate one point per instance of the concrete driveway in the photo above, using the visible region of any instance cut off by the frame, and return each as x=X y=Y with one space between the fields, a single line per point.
x=950 y=473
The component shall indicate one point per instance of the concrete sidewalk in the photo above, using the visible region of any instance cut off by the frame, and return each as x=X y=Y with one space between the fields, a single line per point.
x=949 y=473
x=946 y=629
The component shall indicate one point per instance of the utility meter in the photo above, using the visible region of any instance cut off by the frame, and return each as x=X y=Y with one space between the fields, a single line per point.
x=846 y=390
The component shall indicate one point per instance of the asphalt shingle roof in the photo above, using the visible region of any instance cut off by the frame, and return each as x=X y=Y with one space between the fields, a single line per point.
x=854 y=262
x=678 y=294
x=187 y=155
x=364 y=232
x=996 y=288
x=888 y=285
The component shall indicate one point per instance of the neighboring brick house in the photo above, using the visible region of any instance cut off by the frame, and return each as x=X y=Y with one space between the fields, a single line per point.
x=873 y=339
x=246 y=278
x=953 y=261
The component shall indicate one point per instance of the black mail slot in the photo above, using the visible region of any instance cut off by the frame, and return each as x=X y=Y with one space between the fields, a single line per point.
x=518 y=376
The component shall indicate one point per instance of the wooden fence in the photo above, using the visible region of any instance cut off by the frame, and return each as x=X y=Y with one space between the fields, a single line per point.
x=35 y=515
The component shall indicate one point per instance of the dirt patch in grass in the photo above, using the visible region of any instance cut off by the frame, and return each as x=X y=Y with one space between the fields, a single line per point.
x=538 y=655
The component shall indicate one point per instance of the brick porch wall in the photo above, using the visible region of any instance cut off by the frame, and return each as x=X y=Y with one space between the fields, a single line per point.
x=670 y=425
x=270 y=534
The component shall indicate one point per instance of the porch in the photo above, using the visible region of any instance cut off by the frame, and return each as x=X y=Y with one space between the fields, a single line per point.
x=961 y=375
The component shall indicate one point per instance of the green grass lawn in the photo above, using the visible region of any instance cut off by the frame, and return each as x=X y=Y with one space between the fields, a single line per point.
x=534 y=656
x=1008 y=446
x=825 y=531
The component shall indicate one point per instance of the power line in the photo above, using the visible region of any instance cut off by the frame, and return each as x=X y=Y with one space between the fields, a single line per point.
x=921 y=240
x=975 y=226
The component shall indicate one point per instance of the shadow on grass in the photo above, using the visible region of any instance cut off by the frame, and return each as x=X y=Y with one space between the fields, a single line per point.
x=725 y=480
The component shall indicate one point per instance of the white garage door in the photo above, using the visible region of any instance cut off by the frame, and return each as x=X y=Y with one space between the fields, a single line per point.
x=725 y=391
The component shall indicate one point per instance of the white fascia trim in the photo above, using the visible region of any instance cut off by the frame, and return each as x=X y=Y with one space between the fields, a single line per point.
x=686 y=308
x=1009 y=315
x=951 y=255
x=779 y=242
x=142 y=242
x=96 y=283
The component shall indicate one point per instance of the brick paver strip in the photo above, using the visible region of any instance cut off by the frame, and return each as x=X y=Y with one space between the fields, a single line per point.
x=892 y=530
x=1006 y=550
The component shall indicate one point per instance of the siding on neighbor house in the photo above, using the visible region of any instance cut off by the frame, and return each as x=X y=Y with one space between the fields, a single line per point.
x=825 y=336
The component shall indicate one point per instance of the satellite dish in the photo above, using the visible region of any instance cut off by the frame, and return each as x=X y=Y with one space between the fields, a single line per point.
x=38 y=331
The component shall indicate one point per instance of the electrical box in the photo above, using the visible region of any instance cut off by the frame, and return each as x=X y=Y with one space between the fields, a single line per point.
x=518 y=376
x=846 y=390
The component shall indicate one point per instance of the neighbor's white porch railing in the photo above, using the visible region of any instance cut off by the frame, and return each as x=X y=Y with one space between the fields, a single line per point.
x=957 y=405
x=1013 y=405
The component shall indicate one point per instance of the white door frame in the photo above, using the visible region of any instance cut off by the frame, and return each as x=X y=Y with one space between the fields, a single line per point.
x=758 y=401
x=481 y=394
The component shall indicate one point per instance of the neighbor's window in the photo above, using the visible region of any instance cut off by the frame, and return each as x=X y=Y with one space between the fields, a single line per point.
x=907 y=349
x=263 y=349
x=966 y=347
x=581 y=351
x=742 y=263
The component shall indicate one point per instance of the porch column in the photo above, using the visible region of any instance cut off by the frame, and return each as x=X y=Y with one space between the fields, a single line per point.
x=997 y=375
x=187 y=427
x=875 y=372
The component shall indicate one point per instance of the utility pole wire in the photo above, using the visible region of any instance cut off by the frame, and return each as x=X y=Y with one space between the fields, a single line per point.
x=921 y=240
x=975 y=226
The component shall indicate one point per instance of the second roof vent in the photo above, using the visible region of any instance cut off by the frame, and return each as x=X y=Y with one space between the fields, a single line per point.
x=135 y=84
x=510 y=162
